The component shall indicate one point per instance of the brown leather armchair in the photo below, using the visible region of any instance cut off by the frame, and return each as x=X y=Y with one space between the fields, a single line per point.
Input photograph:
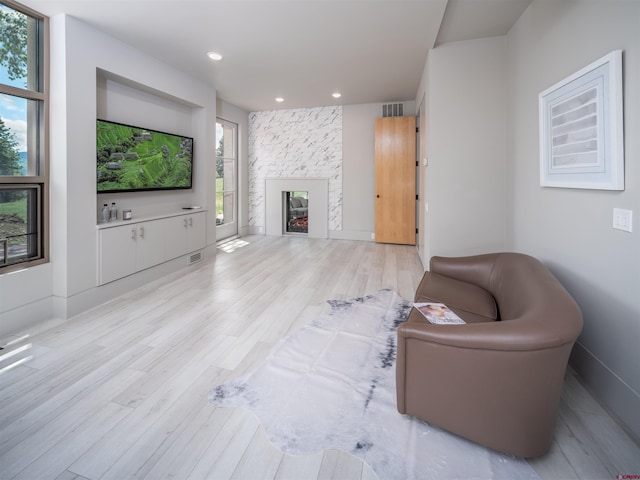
x=497 y=379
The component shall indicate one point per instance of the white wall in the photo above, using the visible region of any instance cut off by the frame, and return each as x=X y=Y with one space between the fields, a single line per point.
x=358 y=172
x=465 y=179
x=144 y=90
x=571 y=230
x=25 y=298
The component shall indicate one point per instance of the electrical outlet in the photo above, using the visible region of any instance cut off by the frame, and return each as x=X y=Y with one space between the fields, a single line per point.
x=623 y=219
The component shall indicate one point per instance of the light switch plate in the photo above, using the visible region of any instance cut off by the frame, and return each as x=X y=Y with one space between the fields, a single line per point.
x=623 y=219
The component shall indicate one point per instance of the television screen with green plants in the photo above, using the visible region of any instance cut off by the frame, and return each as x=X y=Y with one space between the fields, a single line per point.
x=131 y=159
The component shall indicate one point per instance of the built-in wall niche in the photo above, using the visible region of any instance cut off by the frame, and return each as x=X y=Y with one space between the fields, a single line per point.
x=296 y=212
x=124 y=101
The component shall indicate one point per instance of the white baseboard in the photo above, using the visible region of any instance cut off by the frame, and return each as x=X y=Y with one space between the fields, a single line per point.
x=244 y=231
x=21 y=318
x=350 y=235
x=333 y=234
x=619 y=398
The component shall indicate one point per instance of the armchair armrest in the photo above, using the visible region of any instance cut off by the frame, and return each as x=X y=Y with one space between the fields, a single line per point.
x=474 y=269
x=513 y=335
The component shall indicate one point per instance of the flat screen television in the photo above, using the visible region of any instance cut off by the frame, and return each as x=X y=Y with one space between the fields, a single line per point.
x=131 y=159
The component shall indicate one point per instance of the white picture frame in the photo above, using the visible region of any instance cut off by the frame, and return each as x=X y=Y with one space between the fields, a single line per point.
x=581 y=128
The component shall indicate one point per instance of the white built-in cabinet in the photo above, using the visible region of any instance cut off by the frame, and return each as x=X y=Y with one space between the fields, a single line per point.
x=185 y=234
x=125 y=248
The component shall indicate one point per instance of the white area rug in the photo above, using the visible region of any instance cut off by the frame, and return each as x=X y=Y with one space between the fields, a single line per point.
x=332 y=385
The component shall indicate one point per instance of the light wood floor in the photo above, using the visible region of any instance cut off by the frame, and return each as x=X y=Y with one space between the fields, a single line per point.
x=120 y=392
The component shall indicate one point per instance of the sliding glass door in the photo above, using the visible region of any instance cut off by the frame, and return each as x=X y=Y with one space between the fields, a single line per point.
x=226 y=179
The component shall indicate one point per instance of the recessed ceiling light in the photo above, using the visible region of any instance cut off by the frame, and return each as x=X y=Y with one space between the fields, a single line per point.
x=279 y=99
x=336 y=95
x=215 y=56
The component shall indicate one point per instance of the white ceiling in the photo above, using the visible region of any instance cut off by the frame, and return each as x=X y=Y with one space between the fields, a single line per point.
x=302 y=50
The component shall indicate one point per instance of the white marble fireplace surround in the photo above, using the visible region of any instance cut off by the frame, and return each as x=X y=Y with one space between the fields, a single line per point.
x=318 y=190
x=301 y=143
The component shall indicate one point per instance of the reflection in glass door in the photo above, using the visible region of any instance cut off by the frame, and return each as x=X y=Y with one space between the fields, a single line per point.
x=226 y=179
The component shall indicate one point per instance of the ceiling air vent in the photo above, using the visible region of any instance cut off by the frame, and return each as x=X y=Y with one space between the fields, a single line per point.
x=393 y=110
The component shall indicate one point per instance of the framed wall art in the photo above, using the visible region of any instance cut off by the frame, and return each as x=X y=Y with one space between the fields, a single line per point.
x=581 y=131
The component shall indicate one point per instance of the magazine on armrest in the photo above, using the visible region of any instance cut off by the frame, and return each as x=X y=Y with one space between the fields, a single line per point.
x=438 y=313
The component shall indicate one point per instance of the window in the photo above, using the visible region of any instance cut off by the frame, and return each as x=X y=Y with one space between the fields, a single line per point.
x=23 y=137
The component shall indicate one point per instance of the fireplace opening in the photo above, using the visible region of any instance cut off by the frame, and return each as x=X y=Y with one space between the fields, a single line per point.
x=297 y=212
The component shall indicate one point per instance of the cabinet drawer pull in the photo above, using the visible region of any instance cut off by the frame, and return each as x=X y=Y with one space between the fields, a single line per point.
x=133 y=234
x=141 y=232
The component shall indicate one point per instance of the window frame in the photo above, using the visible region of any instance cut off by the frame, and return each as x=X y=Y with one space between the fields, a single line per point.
x=235 y=127
x=41 y=156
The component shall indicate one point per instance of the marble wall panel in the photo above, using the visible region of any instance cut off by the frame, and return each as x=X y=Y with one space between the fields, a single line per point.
x=300 y=143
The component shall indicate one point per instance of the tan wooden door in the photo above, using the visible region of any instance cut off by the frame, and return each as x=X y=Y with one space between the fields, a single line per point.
x=395 y=182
